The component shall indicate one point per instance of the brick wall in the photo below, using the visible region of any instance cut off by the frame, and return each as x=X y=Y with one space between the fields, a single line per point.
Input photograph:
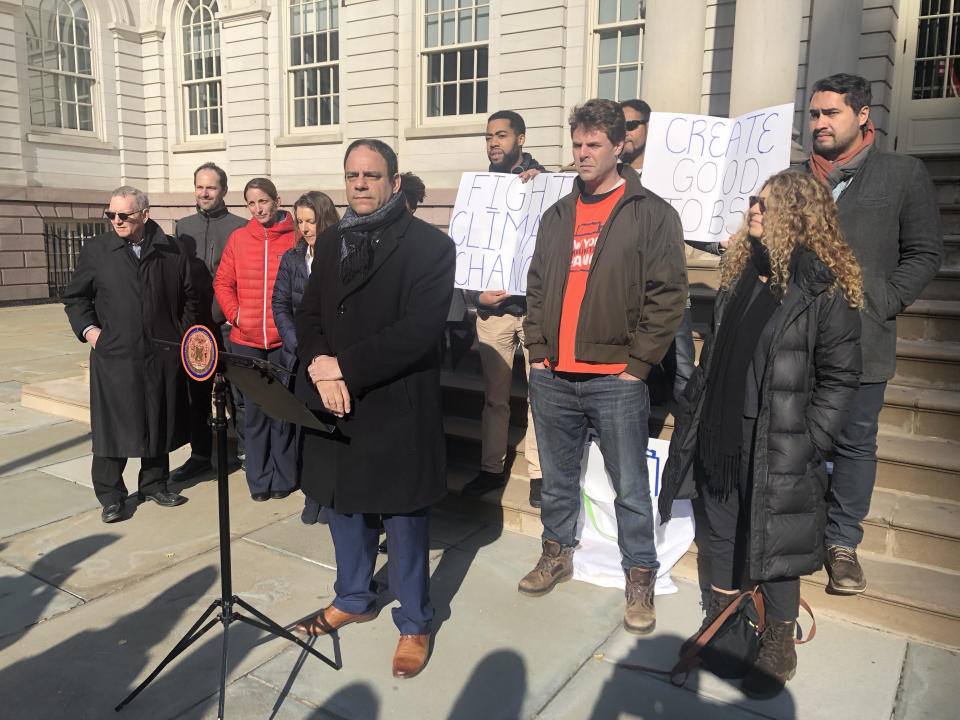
x=23 y=261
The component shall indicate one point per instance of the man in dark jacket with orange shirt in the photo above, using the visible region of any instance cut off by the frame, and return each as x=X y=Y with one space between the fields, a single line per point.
x=605 y=294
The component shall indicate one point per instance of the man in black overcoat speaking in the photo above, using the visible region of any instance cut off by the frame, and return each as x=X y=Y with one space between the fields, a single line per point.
x=368 y=333
x=132 y=286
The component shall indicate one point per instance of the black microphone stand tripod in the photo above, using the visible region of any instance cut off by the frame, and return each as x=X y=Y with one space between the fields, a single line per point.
x=227 y=602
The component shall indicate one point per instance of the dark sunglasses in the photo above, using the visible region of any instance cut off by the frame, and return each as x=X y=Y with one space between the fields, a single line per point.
x=110 y=215
x=757 y=200
x=634 y=124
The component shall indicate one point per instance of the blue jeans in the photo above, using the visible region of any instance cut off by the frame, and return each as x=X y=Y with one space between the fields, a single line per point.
x=564 y=404
x=854 y=468
x=355 y=539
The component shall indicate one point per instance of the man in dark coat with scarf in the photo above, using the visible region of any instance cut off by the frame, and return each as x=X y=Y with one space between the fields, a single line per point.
x=890 y=219
x=368 y=334
x=132 y=286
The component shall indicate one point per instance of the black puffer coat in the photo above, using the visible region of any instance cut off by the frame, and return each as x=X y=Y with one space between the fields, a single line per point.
x=811 y=378
x=288 y=291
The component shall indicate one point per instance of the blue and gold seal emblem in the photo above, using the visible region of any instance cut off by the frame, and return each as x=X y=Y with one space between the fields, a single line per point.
x=198 y=352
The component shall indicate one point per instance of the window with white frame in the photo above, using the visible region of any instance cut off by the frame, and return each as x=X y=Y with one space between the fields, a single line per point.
x=454 y=55
x=59 y=64
x=313 y=74
x=200 y=53
x=618 y=48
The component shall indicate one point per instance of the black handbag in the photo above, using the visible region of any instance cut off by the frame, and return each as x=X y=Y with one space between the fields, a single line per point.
x=728 y=647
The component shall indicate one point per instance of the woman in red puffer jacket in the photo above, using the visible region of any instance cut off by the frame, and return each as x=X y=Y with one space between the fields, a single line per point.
x=244 y=288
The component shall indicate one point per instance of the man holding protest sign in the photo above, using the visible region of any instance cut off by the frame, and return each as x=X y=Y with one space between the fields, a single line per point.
x=605 y=294
x=500 y=329
x=890 y=219
x=636 y=114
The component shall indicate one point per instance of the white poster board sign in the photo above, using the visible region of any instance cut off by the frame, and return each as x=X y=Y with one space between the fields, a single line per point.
x=597 y=559
x=494 y=226
x=707 y=167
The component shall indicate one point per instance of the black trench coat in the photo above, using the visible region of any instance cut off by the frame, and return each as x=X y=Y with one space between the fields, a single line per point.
x=388 y=455
x=811 y=378
x=138 y=393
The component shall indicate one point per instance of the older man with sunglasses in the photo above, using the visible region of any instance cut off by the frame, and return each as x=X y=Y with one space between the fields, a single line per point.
x=132 y=286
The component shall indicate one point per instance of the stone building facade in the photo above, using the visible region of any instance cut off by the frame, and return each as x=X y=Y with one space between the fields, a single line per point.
x=99 y=93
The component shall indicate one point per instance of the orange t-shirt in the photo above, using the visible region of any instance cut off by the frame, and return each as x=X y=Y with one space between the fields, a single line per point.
x=591 y=217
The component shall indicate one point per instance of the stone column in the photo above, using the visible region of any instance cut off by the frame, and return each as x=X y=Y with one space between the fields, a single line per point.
x=245 y=63
x=369 y=76
x=155 y=113
x=131 y=122
x=833 y=45
x=673 y=55
x=13 y=95
x=766 y=54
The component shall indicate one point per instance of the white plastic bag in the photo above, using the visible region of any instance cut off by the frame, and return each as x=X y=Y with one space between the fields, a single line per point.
x=597 y=559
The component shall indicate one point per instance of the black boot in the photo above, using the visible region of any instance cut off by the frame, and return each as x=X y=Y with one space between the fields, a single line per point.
x=776 y=663
x=719 y=601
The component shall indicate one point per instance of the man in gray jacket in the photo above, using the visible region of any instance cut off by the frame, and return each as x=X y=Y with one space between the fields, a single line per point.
x=889 y=217
x=204 y=235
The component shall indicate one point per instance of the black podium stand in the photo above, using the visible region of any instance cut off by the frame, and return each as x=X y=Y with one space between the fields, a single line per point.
x=261 y=382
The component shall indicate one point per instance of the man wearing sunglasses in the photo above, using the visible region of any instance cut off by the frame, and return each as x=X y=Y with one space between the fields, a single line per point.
x=132 y=286
x=889 y=217
x=204 y=235
x=636 y=115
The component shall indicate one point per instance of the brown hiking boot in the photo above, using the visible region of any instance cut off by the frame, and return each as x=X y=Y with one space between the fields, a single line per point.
x=843 y=567
x=776 y=663
x=640 y=617
x=719 y=601
x=554 y=566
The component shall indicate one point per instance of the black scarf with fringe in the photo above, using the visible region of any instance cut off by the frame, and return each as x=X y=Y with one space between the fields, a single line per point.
x=720 y=437
x=359 y=234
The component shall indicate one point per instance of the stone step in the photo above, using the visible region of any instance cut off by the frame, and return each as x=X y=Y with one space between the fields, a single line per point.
x=934 y=413
x=930 y=320
x=903 y=595
x=951 y=249
x=945 y=285
x=918 y=464
x=947 y=188
x=913 y=527
x=928 y=364
x=950 y=218
x=66 y=397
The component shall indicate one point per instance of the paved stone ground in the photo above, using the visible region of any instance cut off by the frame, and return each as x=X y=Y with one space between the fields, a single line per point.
x=87 y=609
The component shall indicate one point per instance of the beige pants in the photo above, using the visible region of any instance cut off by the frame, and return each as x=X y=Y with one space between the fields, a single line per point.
x=498 y=337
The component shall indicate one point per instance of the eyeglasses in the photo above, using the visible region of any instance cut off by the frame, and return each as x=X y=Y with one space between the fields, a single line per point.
x=757 y=200
x=123 y=217
x=634 y=124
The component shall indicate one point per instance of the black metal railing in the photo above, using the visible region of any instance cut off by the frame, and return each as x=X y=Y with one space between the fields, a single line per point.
x=62 y=246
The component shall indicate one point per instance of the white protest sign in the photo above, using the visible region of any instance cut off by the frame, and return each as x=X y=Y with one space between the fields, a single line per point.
x=494 y=226
x=707 y=167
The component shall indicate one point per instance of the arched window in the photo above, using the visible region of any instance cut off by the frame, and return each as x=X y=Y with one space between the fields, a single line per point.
x=202 y=101
x=618 y=47
x=314 y=62
x=59 y=64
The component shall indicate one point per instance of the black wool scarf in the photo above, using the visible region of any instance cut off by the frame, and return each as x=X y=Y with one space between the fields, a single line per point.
x=720 y=437
x=360 y=233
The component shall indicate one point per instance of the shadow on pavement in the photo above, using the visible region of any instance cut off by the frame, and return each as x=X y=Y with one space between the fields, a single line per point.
x=21 y=462
x=495 y=689
x=86 y=675
x=66 y=558
x=629 y=692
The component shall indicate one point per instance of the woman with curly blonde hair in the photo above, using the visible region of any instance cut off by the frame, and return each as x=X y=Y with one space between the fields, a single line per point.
x=776 y=377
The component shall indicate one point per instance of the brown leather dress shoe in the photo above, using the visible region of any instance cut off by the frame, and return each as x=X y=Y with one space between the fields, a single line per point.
x=411 y=655
x=330 y=619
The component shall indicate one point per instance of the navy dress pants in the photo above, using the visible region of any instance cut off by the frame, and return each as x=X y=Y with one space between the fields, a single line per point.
x=270 y=444
x=355 y=539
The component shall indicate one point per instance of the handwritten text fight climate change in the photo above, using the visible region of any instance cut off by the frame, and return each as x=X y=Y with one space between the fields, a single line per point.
x=706 y=167
x=494 y=226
